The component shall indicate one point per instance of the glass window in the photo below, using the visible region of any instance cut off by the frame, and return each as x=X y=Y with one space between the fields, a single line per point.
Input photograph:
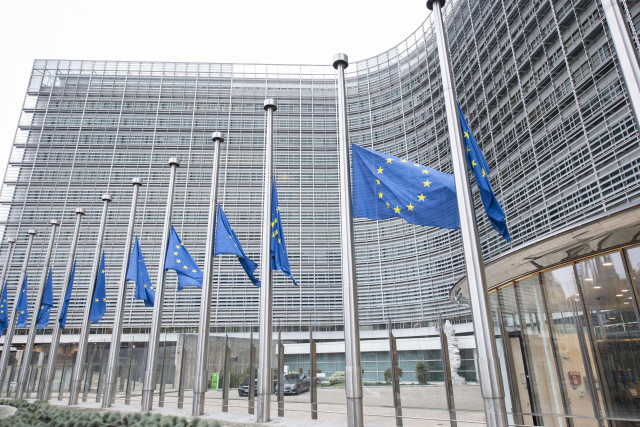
x=564 y=304
x=539 y=352
x=609 y=301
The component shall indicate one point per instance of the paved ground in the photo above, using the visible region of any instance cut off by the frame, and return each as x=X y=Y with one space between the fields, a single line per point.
x=421 y=406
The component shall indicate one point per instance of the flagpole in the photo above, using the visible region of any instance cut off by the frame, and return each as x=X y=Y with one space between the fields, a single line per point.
x=488 y=364
x=151 y=370
x=353 y=371
x=626 y=53
x=114 y=348
x=26 y=355
x=265 y=377
x=202 y=347
x=8 y=338
x=45 y=392
x=78 y=368
x=5 y=270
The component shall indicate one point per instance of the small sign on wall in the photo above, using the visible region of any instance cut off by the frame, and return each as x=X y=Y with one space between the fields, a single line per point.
x=575 y=379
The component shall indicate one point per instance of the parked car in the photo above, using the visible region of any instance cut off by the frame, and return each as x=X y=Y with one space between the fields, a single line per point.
x=295 y=384
x=243 y=389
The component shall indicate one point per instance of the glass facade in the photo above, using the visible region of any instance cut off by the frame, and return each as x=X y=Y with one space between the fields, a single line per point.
x=571 y=335
x=541 y=86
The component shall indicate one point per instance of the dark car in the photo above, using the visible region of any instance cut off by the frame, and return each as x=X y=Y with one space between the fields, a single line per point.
x=243 y=389
x=296 y=384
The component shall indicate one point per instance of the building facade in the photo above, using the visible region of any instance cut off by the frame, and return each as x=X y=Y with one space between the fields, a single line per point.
x=540 y=85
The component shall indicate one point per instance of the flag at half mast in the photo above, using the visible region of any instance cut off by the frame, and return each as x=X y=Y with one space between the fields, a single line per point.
x=227 y=242
x=179 y=259
x=62 y=320
x=137 y=272
x=99 y=301
x=477 y=163
x=47 y=303
x=279 y=256
x=386 y=186
x=4 y=312
x=21 y=308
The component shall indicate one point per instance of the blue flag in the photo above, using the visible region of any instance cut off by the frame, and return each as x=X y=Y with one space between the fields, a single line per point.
x=4 y=312
x=477 y=163
x=386 y=186
x=279 y=257
x=227 y=243
x=21 y=307
x=179 y=259
x=99 y=301
x=137 y=272
x=47 y=303
x=67 y=297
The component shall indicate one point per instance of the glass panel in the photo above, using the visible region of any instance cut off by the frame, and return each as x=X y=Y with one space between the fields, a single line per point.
x=608 y=297
x=545 y=391
x=563 y=300
x=519 y=377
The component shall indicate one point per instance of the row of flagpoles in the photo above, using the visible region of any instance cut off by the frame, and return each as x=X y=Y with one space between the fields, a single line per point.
x=176 y=257
x=384 y=186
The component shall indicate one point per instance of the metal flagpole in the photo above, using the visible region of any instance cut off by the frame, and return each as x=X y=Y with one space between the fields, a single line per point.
x=78 y=368
x=8 y=338
x=353 y=371
x=151 y=369
x=114 y=348
x=5 y=272
x=488 y=364
x=627 y=56
x=50 y=370
x=266 y=292
x=202 y=346
x=31 y=338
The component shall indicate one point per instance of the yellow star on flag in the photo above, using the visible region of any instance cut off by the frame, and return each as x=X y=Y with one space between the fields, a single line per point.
x=396 y=209
x=410 y=206
x=421 y=197
x=389 y=160
x=427 y=183
x=380 y=195
x=380 y=169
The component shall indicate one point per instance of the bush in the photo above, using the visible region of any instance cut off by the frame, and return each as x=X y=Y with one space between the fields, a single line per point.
x=41 y=413
x=337 y=378
x=422 y=372
x=387 y=375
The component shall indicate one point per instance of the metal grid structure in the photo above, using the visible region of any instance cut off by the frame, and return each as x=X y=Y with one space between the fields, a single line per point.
x=539 y=84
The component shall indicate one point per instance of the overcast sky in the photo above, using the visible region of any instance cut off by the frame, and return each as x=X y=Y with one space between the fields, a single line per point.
x=254 y=31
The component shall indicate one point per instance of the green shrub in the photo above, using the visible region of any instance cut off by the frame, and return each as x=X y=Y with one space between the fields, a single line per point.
x=387 y=374
x=422 y=372
x=337 y=378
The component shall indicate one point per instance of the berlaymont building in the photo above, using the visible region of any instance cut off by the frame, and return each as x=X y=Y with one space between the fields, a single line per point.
x=543 y=86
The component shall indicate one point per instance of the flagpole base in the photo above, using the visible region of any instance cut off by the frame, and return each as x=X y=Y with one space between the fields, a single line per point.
x=147 y=400
x=198 y=404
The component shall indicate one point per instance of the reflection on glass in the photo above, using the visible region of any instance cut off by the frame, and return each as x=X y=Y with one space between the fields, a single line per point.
x=609 y=301
x=563 y=300
x=520 y=379
x=539 y=353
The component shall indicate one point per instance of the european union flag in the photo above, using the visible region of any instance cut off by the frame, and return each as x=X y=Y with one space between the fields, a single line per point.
x=47 y=303
x=99 y=301
x=21 y=307
x=4 y=313
x=481 y=171
x=279 y=257
x=179 y=259
x=67 y=298
x=137 y=272
x=386 y=186
x=227 y=242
